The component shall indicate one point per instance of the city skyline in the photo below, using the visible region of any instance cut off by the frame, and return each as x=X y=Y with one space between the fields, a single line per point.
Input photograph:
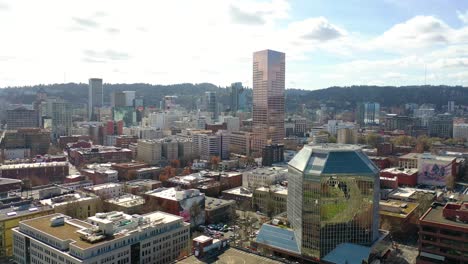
x=391 y=42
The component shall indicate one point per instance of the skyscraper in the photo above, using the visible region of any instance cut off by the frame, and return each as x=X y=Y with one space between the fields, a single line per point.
x=95 y=97
x=212 y=104
x=368 y=114
x=335 y=198
x=124 y=98
x=268 y=98
x=236 y=97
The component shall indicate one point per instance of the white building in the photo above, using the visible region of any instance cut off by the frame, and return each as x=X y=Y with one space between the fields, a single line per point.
x=460 y=131
x=112 y=237
x=266 y=176
x=209 y=145
x=232 y=123
x=107 y=190
x=334 y=125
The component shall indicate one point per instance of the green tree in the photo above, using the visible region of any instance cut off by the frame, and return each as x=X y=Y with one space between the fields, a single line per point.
x=372 y=139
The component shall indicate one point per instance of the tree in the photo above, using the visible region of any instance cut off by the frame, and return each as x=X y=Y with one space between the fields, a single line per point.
x=331 y=139
x=372 y=139
x=186 y=171
x=215 y=161
x=175 y=163
x=403 y=141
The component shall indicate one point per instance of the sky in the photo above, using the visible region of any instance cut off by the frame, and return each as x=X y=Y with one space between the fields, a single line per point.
x=327 y=43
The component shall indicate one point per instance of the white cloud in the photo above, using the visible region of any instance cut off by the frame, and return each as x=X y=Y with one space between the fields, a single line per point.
x=463 y=16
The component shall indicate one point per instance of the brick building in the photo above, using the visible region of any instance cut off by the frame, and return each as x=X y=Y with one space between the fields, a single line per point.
x=36 y=173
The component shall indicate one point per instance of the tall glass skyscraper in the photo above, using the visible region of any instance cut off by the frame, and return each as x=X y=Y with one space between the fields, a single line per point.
x=212 y=105
x=333 y=198
x=95 y=97
x=368 y=114
x=268 y=98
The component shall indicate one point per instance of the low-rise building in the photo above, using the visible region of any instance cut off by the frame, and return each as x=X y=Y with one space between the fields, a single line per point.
x=107 y=190
x=189 y=204
x=218 y=210
x=99 y=154
x=127 y=170
x=406 y=177
x=270 y=200
x=112 y=237
x=10 y=218
x=100 y=173
x=77 y=205
x=443 y=234
x=265 y=176
x=141 y=186
x=127 y=203
x=398 y=217
x=243 y=196
x=36 y=173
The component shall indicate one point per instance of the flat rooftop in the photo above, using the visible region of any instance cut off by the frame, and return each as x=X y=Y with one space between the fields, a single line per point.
x=400 y=171
x=70 y=229
x=434 y=215
x=231 y=255
x=213 y=203
x=20 y=211
x=104 y=186
x=34 y=165
x=239 y=191
x=127 y=200
x=406 y=208
x=173 y=194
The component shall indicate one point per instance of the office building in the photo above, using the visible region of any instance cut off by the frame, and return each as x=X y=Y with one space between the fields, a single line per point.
x=95 y=97
x=149 y=151
x=98 y=154
x=368 y=114
x=59 y=113
x=441 y=126
x=11 y=217
x=169 y=102
x=36 y=140
x=100 y=173
x=127 y=114
x=238 y=98
x=240 y=143
x=207 y=146
x=272 y=154
x=112 y=237
x=443 y=234
x=334 y=198
x=424 y=113
x=232 y=123
x=212 y=105
x=21 y=117
x=460 y=131
x=347 y=136
x=268 y=98
x=451 y=106
x=127 y=203
x=124 y=98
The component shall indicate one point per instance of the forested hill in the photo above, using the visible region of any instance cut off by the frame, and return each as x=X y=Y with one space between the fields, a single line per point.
x=385 y=95
x=340 y=97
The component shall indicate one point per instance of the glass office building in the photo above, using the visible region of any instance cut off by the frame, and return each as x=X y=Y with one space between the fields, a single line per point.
x=333 y=198
x=268 y=98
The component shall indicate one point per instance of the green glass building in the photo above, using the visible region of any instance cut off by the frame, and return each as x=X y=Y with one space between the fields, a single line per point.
x=333 y=198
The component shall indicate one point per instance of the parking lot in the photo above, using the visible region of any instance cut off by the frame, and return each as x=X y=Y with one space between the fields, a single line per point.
x=231 y=256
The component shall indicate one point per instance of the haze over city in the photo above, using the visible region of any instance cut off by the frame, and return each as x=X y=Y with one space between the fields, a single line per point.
x=391 y=42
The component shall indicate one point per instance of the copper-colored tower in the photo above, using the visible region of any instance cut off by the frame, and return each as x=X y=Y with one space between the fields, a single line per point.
x=268 y=98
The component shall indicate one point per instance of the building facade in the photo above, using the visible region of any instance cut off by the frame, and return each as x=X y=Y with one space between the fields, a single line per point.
x=268 y=98
x=336 y=198
x=112 y=237
x=95 y=97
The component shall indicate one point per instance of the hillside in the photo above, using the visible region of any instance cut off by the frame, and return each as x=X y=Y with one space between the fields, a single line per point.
x=340 y=97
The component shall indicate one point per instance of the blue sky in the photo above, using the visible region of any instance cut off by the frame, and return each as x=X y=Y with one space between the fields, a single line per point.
x=327 y=43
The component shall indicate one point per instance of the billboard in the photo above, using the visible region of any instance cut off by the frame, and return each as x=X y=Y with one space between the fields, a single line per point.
x=434 y=173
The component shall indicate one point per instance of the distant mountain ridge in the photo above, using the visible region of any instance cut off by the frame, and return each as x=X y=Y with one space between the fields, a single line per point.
x=340 y=97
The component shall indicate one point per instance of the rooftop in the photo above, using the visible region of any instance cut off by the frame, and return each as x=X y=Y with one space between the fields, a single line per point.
x=65 y=199
x=127 y=200
x=278 y=237
x=239 y=191
x=400 y=171
x=34 y=165
x=397 y=208
x=4 y=181
x=86 y=235
x=274 y=188
x=104 y=186
x=435 y=215
x=173 y=194
x=348 y=253
x=20 y=211
x=213 y=203
x=325 y=159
